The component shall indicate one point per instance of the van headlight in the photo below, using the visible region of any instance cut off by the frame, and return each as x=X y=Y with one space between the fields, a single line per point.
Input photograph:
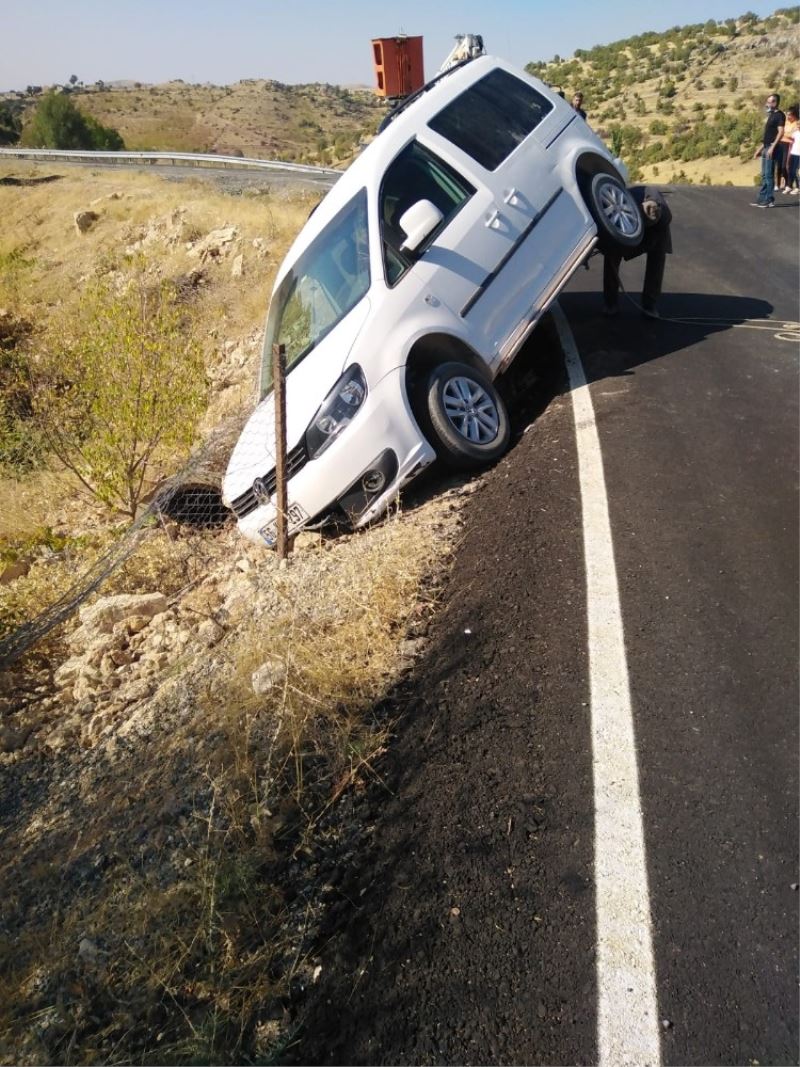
x=336 y=411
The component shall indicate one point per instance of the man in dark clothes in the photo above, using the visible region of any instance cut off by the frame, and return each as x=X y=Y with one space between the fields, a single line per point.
x=577 y=104
x=656 y=244
x=770 y=151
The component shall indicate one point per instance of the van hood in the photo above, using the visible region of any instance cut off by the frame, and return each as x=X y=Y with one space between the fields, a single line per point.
x=307 y=385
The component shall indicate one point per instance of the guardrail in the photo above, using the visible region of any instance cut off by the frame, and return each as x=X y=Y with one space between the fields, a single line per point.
x=176 y=158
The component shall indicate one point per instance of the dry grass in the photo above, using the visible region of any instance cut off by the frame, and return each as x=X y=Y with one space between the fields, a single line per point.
x=133 y=207
x=161 y=894
x=717 y=171
x=45 y=264
x=204 y=918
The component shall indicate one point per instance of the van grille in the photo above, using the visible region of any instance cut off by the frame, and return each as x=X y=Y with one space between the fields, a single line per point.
x=296 y=459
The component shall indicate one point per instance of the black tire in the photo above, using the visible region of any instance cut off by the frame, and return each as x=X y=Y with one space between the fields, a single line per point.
x=619 y=221
x=467 y=418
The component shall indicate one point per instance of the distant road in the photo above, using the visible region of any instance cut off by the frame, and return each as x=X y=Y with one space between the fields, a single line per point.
x=239 y=172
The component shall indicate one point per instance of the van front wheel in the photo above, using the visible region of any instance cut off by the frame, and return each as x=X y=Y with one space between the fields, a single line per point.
x=467 y=416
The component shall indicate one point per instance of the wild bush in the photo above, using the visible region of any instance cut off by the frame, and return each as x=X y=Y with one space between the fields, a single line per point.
x=121 y=395
x=58 y=123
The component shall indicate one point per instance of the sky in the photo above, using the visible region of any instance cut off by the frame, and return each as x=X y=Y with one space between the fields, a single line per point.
x=295 y=41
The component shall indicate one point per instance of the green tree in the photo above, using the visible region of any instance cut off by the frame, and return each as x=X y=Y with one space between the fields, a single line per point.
x=58 y=123
x=10 y=124
x=119 y=399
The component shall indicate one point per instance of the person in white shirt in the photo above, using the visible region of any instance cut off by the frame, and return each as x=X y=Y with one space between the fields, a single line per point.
x=793 y=162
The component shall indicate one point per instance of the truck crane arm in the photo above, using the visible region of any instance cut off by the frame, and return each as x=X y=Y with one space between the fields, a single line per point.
x=467 y=46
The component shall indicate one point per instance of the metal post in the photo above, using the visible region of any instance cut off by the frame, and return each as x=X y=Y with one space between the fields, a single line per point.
x=279 y=386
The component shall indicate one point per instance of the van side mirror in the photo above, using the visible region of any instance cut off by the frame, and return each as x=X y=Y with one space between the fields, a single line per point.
x=418 y=223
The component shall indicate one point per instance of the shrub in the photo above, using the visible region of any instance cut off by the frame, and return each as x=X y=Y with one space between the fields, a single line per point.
x=58 y=123
x=123 y=393
x=10 y=124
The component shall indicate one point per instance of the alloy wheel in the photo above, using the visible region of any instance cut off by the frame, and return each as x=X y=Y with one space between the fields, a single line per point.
x=470 y=410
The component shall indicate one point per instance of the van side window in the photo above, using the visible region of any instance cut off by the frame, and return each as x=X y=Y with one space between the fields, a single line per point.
x=492 y=117
x=416 y=174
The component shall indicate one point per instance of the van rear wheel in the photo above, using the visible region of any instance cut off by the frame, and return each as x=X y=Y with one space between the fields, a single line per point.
x=467 y=416
x=616 y=213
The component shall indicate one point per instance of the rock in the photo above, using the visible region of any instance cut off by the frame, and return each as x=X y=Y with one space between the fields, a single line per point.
x=14 y=740
x=152 y=662
x=306 y=540
x=87 y=951
x=107 y=667
x=237 y=267
x=268 y=676
x=209 y=632
x=69 y=671
x=96 y=651
x=64 y=735
x=412 y=647
x=108 y=196
x=121 y=657
x=85 y=687
x=13 y=571
x=84 y=220
x=10 y=683
x=105 y=613
x=216 y=245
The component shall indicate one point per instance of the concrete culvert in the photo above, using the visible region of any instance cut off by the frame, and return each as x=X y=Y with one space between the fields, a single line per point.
x=195 y=504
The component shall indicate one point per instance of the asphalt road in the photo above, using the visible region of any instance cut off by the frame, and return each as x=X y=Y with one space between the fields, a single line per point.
x=469 y=933
x=699 y=434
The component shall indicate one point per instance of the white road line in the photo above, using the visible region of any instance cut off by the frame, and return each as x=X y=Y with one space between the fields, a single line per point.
x=627 y=1023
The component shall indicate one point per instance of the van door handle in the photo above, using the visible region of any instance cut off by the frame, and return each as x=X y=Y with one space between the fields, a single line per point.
x=493 y=220
x=510 y=196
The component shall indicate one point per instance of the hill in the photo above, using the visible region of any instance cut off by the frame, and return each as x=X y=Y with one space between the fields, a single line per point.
x=261 y=119
x=678 y=106
x=686 y=104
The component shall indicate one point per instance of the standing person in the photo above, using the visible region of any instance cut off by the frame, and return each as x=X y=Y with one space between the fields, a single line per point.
x=656 y=244
x=577 y=103
x=786 y=146
x=769 y=151
x=792 y=175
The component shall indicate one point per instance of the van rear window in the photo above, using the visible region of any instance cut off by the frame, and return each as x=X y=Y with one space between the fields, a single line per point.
x=492 y=117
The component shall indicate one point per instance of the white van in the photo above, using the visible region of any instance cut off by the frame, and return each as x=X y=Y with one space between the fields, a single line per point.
x=414 y=284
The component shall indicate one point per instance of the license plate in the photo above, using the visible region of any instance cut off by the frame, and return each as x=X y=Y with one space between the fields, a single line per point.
x=296 y=517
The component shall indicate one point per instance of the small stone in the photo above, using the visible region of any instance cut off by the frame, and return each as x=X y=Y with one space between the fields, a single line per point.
x=455 y=912
x=87 y=951
x=13 y=571
x=84 y=220
x=267 y=677
x=667 y=1024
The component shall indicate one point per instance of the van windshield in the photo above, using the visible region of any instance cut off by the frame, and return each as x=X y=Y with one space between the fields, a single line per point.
x=325 y=283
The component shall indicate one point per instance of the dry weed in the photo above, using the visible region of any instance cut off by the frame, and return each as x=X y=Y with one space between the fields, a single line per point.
x=150 y=891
